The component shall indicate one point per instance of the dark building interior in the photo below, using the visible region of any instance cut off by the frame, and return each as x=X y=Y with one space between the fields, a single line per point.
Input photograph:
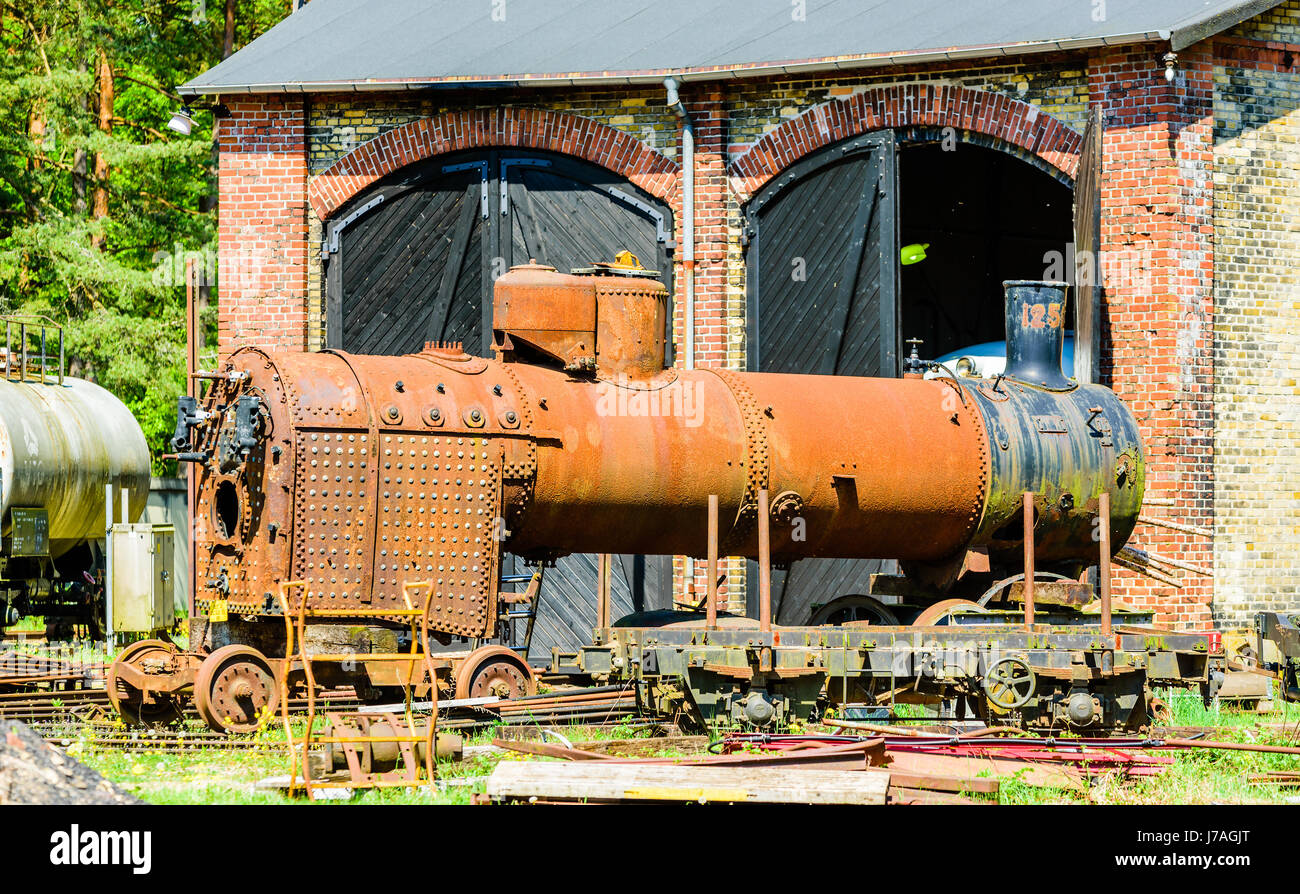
x=987 y=216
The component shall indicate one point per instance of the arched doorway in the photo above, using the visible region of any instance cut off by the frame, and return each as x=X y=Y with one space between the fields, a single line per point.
x=414 y=258
x=985 y=216
x=828 y=293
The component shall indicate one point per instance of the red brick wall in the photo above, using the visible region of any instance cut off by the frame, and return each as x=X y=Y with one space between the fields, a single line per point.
x=262 y=224
x=1013 y=122
x=1157 y=247
x=473 y=128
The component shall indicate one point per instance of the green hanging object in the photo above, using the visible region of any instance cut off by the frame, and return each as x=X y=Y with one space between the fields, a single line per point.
x=913 y=253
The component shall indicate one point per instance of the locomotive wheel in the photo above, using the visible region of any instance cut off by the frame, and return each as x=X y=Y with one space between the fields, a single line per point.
x=941 y=612
x=130 y=702
x=854 y=607
x=235 y=690
x=1010 y=683
x=494 y=670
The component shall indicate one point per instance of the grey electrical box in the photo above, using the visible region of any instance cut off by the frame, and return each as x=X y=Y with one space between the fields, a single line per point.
x=141 y=563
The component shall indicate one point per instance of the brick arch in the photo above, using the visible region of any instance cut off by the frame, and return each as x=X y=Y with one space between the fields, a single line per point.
x=561 y=132
x=1016 y=123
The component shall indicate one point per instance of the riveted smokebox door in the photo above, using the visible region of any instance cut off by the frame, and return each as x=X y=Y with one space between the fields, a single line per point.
x=333 y=527
x=439 y=501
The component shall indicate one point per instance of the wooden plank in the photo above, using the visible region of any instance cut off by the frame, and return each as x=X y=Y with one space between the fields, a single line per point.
x=619 y=781
x=1087 y=246
x=971 y=767
x=469 y=213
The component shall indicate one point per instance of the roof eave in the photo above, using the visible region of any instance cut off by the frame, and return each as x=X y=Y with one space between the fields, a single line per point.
x=656 y=76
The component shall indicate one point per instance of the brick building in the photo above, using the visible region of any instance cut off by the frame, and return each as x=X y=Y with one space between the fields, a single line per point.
x=381 y=162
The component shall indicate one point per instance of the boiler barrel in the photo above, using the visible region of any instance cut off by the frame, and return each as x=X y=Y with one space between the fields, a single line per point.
x=59 y=446
x=866 y=467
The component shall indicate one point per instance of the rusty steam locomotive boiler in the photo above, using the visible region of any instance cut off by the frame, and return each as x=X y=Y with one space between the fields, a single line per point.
x=355 y=476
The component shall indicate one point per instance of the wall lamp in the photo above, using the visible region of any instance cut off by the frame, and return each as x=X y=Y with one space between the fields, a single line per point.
x=182 y=120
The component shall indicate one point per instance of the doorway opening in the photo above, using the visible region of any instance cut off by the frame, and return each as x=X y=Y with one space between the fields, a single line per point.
x=985 y=216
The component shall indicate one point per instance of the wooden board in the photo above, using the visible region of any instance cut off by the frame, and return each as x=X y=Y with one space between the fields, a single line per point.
x=821 y=282
x=617 y=781
x=975 y=768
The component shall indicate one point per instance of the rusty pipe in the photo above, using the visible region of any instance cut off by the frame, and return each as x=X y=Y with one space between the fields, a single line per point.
x=1029 y=560
x=711 y=590
x=1103 y=565
x=764 y=565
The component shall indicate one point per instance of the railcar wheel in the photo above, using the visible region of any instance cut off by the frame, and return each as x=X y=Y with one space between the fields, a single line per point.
x=854 y=607
x=1010 y=683
x=494 y=670
x=941 y=612
x=130 y=702
x=235 y=690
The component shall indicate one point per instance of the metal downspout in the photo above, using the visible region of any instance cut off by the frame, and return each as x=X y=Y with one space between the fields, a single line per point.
x=675 y=103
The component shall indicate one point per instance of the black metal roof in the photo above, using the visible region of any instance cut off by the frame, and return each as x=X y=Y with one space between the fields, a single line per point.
x=402 y=44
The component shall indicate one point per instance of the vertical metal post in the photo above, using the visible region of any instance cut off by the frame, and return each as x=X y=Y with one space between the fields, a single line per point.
x=42 y=355
x=603 y=565
x=22 y=336
x=1029 y=561
x=1103 y=565
x=108 y=562
x=60 y=355
x=764 y=565
x=711 y=590
x=191 y=389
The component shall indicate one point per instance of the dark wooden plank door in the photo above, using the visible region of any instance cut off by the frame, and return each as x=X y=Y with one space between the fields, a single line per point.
x=822 y=287
x=406 y=264
x=1087 y=253
x=414 y=259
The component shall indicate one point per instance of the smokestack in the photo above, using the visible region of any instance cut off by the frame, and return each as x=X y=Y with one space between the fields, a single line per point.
x=1036 y=333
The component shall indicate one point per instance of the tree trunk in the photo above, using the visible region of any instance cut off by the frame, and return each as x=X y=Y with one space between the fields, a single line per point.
x=36 y=132
x=79 y=164
x=228 y=44
x=99 y=203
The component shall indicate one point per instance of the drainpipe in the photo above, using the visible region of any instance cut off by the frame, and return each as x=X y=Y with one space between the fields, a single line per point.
x=688 y=213
x=675 y=103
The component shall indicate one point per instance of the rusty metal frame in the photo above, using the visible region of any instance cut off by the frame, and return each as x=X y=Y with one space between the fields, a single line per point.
x=295 y=622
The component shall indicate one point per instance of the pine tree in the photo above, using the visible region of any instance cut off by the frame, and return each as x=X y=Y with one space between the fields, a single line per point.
x=99 y=201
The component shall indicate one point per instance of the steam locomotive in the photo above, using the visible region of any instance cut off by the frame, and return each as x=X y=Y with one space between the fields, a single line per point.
x=331 y=483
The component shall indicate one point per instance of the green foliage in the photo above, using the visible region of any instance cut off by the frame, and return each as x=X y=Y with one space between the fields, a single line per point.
x=94 y=221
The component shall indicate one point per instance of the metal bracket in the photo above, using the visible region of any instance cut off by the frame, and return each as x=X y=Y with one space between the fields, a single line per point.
x=482 y=168
x=661 y=230
x=506 y=165
x=331 y=242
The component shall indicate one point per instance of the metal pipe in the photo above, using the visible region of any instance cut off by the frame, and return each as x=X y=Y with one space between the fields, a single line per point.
x=1029 y=561
x=675 y=103
x=1103 y=566
x=192 y=389
x=1175 y=526
x=108 y=562
x=711 y=590
x=764 y=565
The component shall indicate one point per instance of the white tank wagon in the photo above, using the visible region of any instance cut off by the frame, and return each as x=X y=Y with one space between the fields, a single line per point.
x=63 y=442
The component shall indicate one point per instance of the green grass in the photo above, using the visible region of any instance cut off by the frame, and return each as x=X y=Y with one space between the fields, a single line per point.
x=1196 y=776
x=228 y=775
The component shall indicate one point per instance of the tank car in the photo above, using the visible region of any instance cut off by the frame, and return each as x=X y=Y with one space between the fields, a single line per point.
x=354 y=477
x=63 y=440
